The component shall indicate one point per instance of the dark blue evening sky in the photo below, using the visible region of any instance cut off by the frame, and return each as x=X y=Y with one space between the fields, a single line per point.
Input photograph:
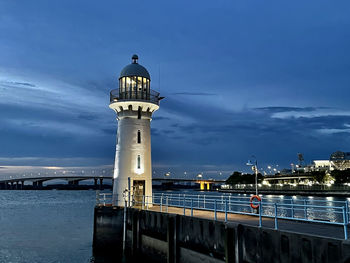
x=269 y=78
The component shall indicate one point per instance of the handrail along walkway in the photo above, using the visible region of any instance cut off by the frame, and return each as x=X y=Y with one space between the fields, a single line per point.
x=227 y=204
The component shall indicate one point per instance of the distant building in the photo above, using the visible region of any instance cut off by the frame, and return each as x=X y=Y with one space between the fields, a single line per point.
x=340 y=160
x=321 y=165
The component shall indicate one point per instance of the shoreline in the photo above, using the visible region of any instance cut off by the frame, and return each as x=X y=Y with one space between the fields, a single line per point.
x=290 y=192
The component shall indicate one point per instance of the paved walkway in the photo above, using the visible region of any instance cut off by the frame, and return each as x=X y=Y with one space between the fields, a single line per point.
x=317 y=229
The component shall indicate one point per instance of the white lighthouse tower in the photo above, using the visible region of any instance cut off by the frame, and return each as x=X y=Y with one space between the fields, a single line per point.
x=134 y=102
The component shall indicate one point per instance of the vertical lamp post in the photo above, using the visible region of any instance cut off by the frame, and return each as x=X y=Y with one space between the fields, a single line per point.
x=254 y=166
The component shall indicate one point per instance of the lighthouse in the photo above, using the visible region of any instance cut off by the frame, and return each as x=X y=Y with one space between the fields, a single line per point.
x=134 y=103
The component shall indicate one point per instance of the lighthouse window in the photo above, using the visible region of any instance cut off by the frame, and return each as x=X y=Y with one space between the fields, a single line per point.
x=138 y=161
x=134 y=83
x=122 y=84
x=139 y=83
x=128 y=82
x=138 y=136
x=144 y=84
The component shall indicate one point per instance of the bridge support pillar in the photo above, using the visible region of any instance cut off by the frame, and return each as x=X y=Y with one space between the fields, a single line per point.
x=73 y=182
x=11 y=186
x=202 y=185
x=101 y=183
x=22 y=185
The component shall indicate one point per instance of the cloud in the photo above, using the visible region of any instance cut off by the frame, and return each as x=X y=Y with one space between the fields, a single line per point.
x=44 y=161
x=15 y=84
x=160 y=118
x=311 y=113
x=224 y=91
x=274 y=109
x=333 y=131
x=195 y=93
x=303 y=112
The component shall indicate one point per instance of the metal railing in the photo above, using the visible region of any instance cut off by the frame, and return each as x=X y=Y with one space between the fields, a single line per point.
x=151 y=96
x=295 y=210
x=104 y=199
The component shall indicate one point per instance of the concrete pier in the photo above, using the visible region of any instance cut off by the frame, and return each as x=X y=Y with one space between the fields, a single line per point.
x=170 y=237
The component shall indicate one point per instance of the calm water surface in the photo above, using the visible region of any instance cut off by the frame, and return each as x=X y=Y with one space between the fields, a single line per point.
x=46 y=226
x=57 y=226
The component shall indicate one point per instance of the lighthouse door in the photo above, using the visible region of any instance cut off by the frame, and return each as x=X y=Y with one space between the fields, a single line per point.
x=139 y=192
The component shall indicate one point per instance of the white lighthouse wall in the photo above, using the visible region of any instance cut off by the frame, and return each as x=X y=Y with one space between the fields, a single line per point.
x=127 y=151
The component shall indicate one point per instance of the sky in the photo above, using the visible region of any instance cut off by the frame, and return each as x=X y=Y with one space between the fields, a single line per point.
x=240 y=78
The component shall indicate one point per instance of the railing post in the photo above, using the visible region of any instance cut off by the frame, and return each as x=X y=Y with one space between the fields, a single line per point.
x=204 y=201
x=184 y=205
x=191 y=207
x=292 y=202
x=347 y=211
x=147 y=201
x=129 y=190
x=345 y=224
x=229 y=202
x=167 y=204
x=225 y=210
x=161 y=203
x=143 y=202
x=276 y=222
x=124 y=226
x=260 y=215
x=305 y=209
x=215 y=217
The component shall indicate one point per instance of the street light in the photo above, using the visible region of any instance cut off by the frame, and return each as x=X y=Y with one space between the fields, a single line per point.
x=254 y=166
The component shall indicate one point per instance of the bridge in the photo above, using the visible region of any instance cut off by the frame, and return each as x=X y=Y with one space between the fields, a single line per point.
x=20 y=183
x=37 y=182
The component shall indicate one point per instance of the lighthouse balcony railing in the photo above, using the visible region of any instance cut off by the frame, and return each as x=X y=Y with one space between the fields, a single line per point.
x=117 y=95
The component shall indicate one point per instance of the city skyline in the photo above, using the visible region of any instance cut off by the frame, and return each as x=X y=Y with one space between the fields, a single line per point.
x=239 y=79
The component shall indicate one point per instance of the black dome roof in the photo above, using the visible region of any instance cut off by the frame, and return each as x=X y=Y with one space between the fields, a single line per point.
x=134 y=69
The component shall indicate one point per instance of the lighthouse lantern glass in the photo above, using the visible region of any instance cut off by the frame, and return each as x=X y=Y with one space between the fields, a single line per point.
x=134 y=87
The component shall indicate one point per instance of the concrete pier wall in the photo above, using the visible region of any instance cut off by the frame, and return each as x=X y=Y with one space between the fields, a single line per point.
x=161 y=237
